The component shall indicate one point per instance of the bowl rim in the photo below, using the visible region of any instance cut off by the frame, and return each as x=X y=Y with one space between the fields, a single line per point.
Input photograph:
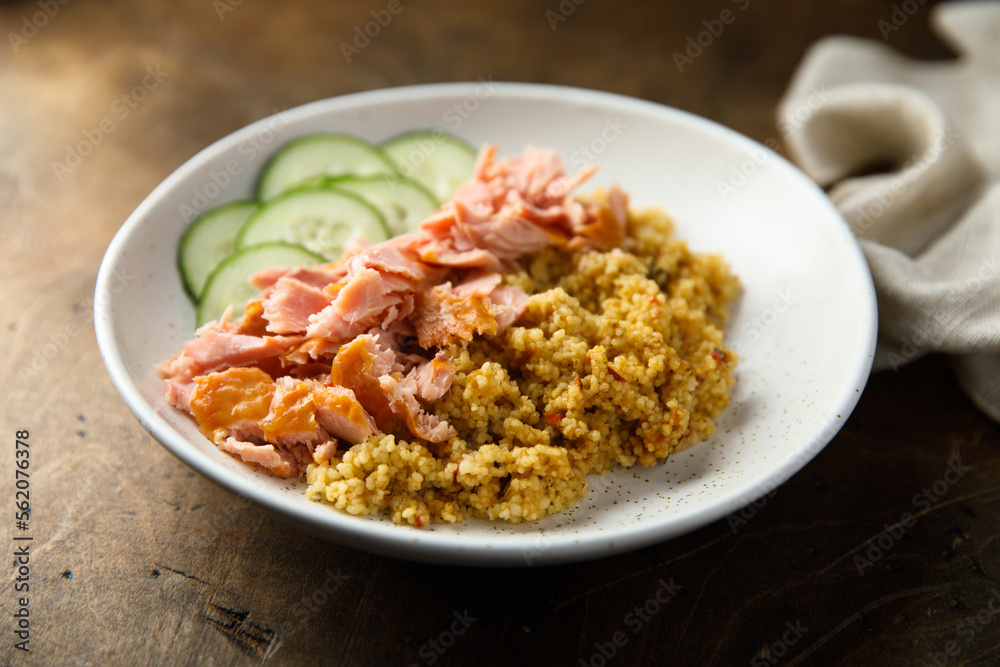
x=385 y=538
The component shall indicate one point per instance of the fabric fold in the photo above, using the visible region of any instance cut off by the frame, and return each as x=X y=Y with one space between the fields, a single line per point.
x=910 y=154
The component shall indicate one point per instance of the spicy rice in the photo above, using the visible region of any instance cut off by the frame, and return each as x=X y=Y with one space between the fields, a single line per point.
x=618 y=359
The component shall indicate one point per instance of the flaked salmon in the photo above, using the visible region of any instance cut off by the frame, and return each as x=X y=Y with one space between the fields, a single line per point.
x=333 y=354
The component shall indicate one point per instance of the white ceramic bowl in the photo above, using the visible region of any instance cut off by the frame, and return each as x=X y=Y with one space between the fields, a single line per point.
x=804 y=326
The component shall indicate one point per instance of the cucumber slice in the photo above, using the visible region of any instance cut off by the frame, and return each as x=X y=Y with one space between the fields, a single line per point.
x=438 y=161
x=227 y=285
x=320 y=155
x=209 y=240
x=403 y=203
x=317 y=218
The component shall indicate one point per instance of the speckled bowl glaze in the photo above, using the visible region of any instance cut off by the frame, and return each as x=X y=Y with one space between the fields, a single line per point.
x=804 y=326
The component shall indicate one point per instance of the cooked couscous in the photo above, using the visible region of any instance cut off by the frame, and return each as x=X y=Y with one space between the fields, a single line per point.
x=618 y=359
x=521 y=339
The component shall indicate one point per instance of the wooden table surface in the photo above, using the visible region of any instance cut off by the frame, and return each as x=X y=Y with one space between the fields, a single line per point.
x=135 y=560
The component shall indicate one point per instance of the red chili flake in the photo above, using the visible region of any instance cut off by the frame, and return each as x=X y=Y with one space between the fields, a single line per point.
x=418 y=522
x=615 y=375
x=553 y=418
x=720 y=356
x=454 y=477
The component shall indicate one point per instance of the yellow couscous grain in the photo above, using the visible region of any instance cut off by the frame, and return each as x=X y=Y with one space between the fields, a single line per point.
x=619 y=359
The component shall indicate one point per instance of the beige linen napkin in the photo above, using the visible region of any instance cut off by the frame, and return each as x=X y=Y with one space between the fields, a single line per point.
x=910 y=153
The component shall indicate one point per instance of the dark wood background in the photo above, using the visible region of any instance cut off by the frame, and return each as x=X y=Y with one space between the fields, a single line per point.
x=136 y=560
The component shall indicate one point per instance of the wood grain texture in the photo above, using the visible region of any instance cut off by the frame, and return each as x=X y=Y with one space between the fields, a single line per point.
x=137 y=560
